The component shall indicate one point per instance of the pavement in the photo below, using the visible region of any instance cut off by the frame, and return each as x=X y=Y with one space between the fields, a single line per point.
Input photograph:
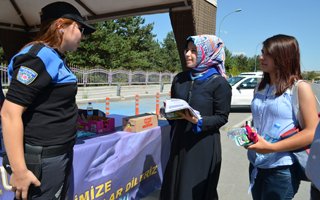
x=234 y=181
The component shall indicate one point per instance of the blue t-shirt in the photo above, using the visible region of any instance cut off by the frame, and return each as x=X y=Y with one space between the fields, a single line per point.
x=268 y=111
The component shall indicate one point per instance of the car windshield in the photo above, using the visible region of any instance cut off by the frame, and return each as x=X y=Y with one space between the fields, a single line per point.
x=233 y=80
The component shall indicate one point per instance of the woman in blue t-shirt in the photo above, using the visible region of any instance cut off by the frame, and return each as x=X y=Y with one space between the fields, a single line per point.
x=272 y=168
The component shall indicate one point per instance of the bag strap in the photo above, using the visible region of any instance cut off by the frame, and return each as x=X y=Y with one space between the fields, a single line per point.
x=289 y=133
x=295 y=101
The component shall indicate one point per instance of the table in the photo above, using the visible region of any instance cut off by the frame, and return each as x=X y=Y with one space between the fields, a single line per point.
x=120 y=165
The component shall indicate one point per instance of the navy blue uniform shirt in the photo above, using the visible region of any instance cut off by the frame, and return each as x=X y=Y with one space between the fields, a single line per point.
x=41 y=82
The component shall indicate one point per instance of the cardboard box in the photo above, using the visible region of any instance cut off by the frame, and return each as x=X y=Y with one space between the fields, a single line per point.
x=139 y=123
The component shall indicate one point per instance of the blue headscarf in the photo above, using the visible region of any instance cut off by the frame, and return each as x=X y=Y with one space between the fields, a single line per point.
x=210 y=54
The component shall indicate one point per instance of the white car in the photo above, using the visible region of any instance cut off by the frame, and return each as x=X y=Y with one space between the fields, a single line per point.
x=242 y=88
x=258 y=73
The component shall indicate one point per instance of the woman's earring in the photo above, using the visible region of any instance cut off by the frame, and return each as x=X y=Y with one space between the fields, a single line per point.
x=61 y=31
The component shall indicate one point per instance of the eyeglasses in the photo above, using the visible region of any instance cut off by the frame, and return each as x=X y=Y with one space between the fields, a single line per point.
x=81 y=29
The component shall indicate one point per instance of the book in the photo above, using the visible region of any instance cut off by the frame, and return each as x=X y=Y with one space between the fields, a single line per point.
x=173 y=109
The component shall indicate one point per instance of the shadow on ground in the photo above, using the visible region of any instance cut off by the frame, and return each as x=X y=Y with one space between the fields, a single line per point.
x=240 y=109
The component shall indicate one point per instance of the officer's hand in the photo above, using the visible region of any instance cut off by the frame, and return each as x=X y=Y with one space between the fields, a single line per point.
x=21 y=181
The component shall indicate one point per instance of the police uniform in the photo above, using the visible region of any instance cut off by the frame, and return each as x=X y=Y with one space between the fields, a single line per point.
x=1 y=102
x=43 y=84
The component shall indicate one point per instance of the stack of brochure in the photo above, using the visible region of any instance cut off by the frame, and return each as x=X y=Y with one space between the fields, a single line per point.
x=174 y=108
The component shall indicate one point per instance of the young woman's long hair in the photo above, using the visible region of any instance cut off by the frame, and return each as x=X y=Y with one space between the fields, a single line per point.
x=49 y=34
x=284 y=50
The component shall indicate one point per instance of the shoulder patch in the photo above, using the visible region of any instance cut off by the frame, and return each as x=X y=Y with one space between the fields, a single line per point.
x=26 y=75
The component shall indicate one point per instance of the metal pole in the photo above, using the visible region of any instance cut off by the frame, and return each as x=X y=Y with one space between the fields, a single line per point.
x=255 y=58
x=118 y=89
x=237 y=10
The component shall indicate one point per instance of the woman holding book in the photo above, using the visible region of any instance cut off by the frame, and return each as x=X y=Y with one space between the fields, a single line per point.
x=193 y=168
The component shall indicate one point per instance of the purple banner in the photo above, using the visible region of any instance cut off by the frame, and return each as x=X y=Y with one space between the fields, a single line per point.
x=120 y=165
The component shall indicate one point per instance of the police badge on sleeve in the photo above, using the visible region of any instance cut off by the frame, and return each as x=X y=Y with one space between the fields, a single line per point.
x=26 y=75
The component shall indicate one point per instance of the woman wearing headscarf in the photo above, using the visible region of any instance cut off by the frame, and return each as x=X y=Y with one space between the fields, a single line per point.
x=194 y=165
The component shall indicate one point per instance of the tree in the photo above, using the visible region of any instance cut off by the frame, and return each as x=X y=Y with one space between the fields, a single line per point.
x=140 y=41
x=128 y=43
x=170 y=54
x=99 y=48
x=122 y=43
x=256 y=65
x=230 y=64
x=235 y=64
x=311 y=75
x=155 y=57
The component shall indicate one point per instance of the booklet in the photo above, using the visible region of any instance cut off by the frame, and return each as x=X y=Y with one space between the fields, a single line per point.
x=174 y=107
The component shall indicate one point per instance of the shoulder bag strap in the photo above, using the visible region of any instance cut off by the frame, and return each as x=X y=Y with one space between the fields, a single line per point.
x=295 y=101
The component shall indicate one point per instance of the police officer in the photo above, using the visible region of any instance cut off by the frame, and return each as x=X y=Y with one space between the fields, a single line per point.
x=39 y=113
x=1 y=102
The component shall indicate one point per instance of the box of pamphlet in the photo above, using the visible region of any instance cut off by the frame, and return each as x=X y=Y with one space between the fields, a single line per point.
x=139 y=123
x=97 y=123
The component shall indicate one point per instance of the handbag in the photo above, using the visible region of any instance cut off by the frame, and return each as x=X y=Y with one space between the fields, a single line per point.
x=301 y=155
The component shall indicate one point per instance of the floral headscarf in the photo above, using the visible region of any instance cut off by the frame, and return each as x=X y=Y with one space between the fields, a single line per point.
x=211 y=54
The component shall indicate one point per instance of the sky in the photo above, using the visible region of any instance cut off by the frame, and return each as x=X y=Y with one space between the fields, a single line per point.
x=243 y=32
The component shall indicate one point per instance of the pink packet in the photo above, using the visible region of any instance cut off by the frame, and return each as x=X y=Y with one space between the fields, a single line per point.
x=252 y=134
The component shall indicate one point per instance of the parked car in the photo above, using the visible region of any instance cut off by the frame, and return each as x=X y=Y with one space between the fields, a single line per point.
x=258 y=73
x=316 y=81
x=242 y=88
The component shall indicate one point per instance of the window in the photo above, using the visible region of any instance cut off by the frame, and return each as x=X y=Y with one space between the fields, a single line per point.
x=250 y=83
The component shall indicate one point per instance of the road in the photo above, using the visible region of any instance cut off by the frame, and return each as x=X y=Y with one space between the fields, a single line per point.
x=316 y=90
